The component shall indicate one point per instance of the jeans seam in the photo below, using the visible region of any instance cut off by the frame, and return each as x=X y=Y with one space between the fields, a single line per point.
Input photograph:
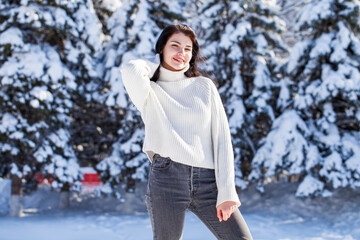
x=191 y=181
x=150 y=209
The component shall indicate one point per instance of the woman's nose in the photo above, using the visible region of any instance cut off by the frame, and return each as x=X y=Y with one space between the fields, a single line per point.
x=181 y=51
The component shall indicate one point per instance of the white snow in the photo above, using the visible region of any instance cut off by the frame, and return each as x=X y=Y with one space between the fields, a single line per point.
x=88 y=25
x=285 y=142
x=314 y=11
x=12 y=36
x=284 y=95
x=262 y=75
x=8 y=123
x=111 y=5
x=233 y=34
x=261 y=44
x=277 y=215
x=16 y=135
x=42 y=153
x=132 y=227
x=237 y=109
x=14 y=170
x=352 y=148
x=308 y=186
x=295 y=53
x=42 y=94
x=322 y=45
x=5 y=193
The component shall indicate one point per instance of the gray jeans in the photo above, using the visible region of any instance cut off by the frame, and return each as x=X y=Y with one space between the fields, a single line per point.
x=174 y=188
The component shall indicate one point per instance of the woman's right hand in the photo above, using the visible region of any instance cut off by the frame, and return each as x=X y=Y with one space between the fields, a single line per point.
x=151 y=67
x=225 y=210
x=141 y=67
x=148 y=67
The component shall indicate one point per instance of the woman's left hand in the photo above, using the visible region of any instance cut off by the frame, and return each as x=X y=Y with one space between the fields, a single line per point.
x=225 y=209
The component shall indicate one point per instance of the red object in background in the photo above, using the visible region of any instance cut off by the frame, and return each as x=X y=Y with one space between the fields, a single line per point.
x=42 y=179
x=89 y=183
x=91 y=180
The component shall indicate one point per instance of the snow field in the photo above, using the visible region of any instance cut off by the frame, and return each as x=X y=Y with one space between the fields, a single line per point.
x=77 y=226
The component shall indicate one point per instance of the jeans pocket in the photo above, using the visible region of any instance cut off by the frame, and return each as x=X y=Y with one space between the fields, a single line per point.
x=160 y=163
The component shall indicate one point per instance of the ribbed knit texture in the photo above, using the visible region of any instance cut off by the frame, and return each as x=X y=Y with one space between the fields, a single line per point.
x=185 y=120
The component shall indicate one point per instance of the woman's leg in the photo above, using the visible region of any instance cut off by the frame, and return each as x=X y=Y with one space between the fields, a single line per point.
x=203 y=205
x=167 y=198
x=234 y=228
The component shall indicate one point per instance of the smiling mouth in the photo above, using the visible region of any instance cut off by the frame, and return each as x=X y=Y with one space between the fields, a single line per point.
x=179 y=60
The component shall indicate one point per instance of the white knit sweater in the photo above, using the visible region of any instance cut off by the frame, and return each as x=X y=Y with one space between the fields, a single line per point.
x=185 y=120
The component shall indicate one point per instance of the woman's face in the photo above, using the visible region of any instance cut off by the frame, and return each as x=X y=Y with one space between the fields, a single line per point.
x=177 y=52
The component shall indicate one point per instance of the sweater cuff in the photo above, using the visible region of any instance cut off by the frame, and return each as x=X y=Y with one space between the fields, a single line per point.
x=227 y=194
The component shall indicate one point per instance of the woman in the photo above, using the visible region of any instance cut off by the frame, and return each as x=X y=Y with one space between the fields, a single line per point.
x=187 y=140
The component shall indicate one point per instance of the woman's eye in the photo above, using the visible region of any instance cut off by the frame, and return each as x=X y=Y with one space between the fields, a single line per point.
x=188 y=49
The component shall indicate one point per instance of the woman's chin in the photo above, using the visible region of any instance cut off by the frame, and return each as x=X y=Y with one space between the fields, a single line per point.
x=179 y=68
x=175 y=67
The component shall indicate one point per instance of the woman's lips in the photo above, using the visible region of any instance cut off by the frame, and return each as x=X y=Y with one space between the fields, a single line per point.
x=179 y=60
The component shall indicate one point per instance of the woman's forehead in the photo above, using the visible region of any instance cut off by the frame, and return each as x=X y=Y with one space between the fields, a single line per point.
x=180 y=38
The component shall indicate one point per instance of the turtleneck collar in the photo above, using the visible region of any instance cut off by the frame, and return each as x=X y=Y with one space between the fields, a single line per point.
x=172 y=76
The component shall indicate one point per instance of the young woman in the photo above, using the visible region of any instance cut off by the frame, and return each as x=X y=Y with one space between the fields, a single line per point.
x=187 y=139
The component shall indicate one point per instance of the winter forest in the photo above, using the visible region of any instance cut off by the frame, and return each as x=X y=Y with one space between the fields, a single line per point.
x=288 y=73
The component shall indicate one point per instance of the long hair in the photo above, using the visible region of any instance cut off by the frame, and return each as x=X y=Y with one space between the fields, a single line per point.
x=164 y=37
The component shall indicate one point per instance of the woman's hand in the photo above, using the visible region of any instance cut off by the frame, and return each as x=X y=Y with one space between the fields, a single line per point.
x=225 y=210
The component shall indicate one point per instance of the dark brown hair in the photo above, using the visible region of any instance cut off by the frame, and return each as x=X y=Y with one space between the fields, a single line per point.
x=164 y=37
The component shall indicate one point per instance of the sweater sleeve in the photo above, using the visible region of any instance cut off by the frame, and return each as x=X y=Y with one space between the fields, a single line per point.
x=136 y=78
x=223 y=151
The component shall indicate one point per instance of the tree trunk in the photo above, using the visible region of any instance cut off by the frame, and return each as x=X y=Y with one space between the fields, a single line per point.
x=16 y=196
x=64 y=202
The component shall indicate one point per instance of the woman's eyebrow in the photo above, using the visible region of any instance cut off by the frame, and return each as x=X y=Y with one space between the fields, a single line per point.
x=180 y=43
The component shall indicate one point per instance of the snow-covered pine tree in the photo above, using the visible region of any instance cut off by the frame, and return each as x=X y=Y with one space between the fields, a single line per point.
x=80 y=56
x=241 y=43
x=320 y=142
x=327 y=68
x=94 y=124
x=128 y=31
x=45 y=49
x=133 y=30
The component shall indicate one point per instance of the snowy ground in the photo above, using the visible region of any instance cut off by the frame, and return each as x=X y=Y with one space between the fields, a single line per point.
x=77 y=226
x=277 y=214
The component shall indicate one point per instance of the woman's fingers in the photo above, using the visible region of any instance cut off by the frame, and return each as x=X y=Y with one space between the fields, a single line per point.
x=219 y=214
x=224 y=211
x=226 y=214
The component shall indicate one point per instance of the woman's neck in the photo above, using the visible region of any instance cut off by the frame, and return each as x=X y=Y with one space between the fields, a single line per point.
x=167 y=75
x=170 y=68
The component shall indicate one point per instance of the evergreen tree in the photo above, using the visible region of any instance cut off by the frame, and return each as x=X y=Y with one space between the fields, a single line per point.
x=133 y=30
x=46 y=49
x=241 y=42
x=325 y=70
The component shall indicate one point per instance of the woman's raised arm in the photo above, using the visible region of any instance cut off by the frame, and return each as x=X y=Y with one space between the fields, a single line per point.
x=136 y=78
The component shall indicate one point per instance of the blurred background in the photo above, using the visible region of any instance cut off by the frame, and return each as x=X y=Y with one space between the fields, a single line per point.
x=288 y=73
